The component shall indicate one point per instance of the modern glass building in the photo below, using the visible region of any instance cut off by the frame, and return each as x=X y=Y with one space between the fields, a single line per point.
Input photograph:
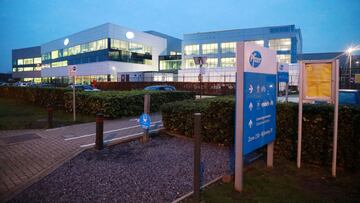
x=219 y=48
x=99 y=53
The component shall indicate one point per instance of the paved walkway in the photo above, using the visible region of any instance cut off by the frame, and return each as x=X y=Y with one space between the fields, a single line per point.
x=28 y=155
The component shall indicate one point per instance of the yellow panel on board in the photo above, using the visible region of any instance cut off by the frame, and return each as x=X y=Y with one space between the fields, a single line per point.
x=357 y=78
x=318 y=80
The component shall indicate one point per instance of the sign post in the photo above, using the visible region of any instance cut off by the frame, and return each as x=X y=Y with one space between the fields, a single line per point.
x=283 y=76
x=255 y=104
x=200 y=61
x=319 y=81
x=72 y=73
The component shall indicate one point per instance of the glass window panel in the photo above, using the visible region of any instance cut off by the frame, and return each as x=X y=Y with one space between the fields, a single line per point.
x=28 y=68
x=59 y=64
x=20 y=62
x=228 y=62
x=37 y=60
x=258 y=42
x=280 y=44
x=14 y=69
x=28 y=61
x=283 y=58
x=212 y=62
x=209 y=48
x=228 y=47
x=55 y=54
x=189 y=63
x=191 y=49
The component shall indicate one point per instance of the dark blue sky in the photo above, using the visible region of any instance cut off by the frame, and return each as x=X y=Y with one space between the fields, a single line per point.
x=326 y=25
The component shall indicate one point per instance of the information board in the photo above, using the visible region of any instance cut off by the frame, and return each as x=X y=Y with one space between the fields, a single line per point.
x=283 y=73
x=317 y=81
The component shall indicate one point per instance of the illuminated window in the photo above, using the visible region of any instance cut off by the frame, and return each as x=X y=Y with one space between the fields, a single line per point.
x=74 y=50
x=37 y=80
x=38 y=67
x=19 y=69
x=283 y=58
x=119 y=45
x=45 y=66
x=228 y=47
x=228 y=62
x=20 y=62
x=189 y=63
x=212 y=62
x=209 y=48
x=147 y=62
x=191 y=49
x=37 y=60
x=28 y=68
x=258 y=42
x=46 y=56
x=55 y=54
x=14 y=69
x=28 y=61
x=59 y=64
x=280 y=44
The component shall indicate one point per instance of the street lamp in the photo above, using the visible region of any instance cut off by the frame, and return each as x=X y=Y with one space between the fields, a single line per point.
x=349 y=52
x=200 y=60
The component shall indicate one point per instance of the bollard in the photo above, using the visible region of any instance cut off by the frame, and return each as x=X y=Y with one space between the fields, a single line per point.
x=50 y=116
x=99 y=142
x=197 y=156
x=145 y=138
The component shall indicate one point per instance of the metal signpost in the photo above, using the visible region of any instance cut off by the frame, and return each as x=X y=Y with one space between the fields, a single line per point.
x=283 y=76
x=200 y=61
x=72 y=73
x=145 y=119
x=319 y=81
x=255 y=104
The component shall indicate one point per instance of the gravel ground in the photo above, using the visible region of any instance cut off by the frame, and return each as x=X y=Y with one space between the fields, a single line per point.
x=159 y=171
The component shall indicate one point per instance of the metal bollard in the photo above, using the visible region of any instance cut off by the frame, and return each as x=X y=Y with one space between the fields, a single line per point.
x=99 y=142
x=197 y=156
x=50 y=111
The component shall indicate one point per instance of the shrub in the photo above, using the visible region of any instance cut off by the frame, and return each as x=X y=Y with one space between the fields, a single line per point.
x=38 y=96
x=219 y=118
x=115 y=104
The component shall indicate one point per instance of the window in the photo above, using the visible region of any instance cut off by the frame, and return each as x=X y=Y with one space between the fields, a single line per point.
x=20 y=62
x=45 y=66
x=228 y=47
x=119 y=45
x=212 y=62
x=189 y=63
x=191 y=49
x=37 y=60
x=28 y=61
x=19 y=69
x=258 y=42
x=228 y=62
x=209 y=48
x=283 y=58
x=46 y=56
x=55 y=54
x=14 y=69
x=28 y=69
x=59 y=64
x=280 y=44
x=74 y=50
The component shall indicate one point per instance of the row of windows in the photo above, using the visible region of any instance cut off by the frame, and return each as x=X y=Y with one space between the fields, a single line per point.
x=130 y=46
x=230 y=47
x=28 y=61
x=21 y=69
x=78 y=49
x=231 y=61
x=170 y=64
x=212 y=62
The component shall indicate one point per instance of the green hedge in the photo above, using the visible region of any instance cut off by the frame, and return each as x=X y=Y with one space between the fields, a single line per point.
x=114 y=104
x=218 y=127
x=38 y=96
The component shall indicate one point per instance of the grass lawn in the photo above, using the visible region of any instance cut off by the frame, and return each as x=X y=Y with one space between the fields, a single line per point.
x=286 y=183
x=19 y=115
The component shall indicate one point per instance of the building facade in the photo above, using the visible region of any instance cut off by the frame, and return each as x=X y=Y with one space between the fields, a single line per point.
x=98 y=53
x=27 y=64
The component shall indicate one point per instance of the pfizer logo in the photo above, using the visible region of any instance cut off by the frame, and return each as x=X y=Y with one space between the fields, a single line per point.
x=281 y=67
x=255 y=59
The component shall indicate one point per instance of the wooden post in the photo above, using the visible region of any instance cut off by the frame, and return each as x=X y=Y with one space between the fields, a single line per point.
x=197 y=156
x=145 y=138
x=74 y=105
x=302 y=65
x=99 y=141
x=270 y=155
x=336 y=116
x=287 y=92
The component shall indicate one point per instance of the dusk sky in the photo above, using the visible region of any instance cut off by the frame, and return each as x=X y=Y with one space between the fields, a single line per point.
x=326 y=25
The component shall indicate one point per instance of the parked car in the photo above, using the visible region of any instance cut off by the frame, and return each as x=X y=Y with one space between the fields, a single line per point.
x=22 y=84
x=160 y=88
x=86 y=88
x=347 y=96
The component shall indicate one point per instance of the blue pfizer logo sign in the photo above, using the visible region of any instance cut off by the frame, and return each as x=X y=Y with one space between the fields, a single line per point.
x=255 y=59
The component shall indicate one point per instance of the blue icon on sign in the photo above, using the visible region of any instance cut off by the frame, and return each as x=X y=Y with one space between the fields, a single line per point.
x=281 y=67
x=145 y=121
x=255 y=59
